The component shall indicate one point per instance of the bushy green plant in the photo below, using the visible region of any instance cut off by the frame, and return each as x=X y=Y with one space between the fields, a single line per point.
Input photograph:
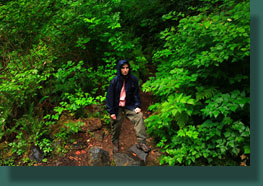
x=58 y=57
x=203 y=77
x=29 y=131
x=207 y=142
x=68 y=129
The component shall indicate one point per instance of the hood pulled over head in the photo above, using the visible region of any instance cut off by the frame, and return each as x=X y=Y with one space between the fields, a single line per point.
x=119 y=65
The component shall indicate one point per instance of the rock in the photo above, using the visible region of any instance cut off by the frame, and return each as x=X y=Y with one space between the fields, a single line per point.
x=98 y=157
x=92 y=124
x=36 y=154
x=122 y=159
x=139 y=153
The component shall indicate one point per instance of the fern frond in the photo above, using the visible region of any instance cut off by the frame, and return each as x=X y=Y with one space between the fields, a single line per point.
x=203 y=93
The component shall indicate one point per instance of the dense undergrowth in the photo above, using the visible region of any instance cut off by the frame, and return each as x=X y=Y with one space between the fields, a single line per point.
x=58 y=57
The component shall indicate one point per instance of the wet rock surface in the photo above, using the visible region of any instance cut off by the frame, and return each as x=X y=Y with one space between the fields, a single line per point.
x=98 y=157
x=36 y=154
x=139 y=153
x=123 y=159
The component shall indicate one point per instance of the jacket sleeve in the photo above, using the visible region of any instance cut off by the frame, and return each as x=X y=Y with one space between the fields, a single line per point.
x=110 y=99
x=137 y=101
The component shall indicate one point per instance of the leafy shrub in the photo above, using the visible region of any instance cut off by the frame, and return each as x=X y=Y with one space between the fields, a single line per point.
x=202 y=85
x=29 y=131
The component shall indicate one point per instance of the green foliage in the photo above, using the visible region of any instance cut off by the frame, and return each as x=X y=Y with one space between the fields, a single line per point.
x=68 y=129
x=28 y=131
x=45 y=145
x=225 y=104
x=177 y=108
x=24 y=76
x=209 y=141
x=58 y=57
x=202 y=80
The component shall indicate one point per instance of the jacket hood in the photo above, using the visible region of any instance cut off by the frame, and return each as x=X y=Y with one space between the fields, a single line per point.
x=120 y=63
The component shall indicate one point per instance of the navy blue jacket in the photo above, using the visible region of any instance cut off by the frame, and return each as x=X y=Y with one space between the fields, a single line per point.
x=132 y=100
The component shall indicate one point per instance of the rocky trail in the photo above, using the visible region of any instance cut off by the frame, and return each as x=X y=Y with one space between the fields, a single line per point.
x=100 y=138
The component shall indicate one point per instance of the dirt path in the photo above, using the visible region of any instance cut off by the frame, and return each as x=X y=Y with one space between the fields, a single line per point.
x=78 y=152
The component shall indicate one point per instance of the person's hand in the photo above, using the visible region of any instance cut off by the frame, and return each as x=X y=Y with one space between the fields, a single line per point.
x=113 y=116
x=137 y=110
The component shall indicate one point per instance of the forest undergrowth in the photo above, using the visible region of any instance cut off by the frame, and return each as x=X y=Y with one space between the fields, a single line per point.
x=58 y=57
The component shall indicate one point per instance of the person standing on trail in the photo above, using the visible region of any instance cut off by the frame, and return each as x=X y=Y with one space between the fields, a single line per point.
x=123 y=99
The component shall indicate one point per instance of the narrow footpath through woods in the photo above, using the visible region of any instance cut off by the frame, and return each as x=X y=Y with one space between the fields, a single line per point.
x=77 y=154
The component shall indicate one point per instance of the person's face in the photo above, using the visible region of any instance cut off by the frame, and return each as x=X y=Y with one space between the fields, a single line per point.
x=125 y=69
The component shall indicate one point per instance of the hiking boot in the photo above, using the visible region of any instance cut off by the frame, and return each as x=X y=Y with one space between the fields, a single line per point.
x=115 y=146
x=143 y=147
